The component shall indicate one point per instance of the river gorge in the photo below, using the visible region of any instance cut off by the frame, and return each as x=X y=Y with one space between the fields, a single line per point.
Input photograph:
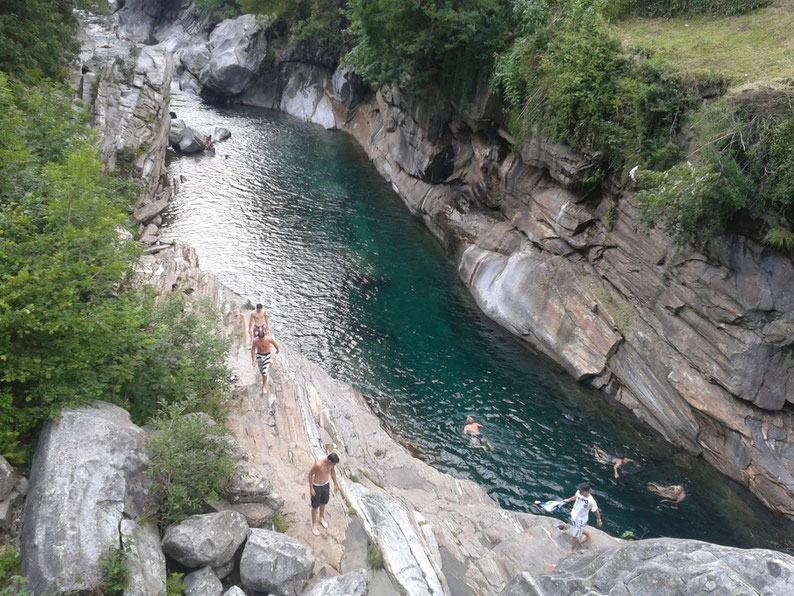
x=295 y=217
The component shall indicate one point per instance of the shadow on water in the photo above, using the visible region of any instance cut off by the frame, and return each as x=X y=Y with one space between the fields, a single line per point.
x=296 y=217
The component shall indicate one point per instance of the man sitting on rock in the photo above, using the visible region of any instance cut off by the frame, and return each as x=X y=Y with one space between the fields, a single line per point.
x=320 y=476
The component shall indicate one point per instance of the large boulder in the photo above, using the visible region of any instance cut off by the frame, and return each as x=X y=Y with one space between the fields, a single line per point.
x=667 y=566
x=275 y=563
x=238 y=47
x=203 y=582
x=7 y=478
x=206 y=540
x=88 y=475
x=355 y=583
x=191 y=141
x=177 y=131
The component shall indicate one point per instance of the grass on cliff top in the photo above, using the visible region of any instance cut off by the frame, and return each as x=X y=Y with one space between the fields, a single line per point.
x=753 y=47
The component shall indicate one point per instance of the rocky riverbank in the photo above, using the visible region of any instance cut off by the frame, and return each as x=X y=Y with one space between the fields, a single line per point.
x=696 y=343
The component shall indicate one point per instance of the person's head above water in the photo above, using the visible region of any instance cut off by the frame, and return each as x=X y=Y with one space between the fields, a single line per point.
x=584 y=489
x=469 y=420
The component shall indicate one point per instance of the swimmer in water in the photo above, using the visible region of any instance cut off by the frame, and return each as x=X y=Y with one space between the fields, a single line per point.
x=478 y=441
x=672 y=494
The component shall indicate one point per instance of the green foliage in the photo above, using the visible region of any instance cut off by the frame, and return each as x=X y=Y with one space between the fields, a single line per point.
x=61 y=261
x=71 y=331
x=114 y=570
x=743 y=159
x=567 y=77
x=9 y=561
x=191 y=459
x=628 y=535
x=217 y=10
x=280 y=524
x=688 y=200
x=174 y=585
x=417 y=43
x=16 y=586
x=668 y=8
x=374 y=557
x=179 y=357
x=36 y=38
x=289 y=11
x=96 y=6
x=780 y=238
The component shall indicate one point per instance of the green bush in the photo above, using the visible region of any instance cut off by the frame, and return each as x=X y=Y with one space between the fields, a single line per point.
x=217 y=10
x=417 y=43
x=374 y=557
x=191 y=459
x=280 y=524
x=780 y=238
x=9 y=562
x=743 y=159
x=567 y=77
x=36 y=38
x=114 y=570
x=668 y=8
x=16 y=586
x=174 y=585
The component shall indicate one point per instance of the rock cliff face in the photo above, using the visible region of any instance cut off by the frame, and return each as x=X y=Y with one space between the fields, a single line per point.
x=699 y=344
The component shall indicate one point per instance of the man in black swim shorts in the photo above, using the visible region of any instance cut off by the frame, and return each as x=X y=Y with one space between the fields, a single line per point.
x=320 y=476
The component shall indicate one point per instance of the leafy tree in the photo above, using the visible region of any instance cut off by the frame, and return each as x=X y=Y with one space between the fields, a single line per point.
x=217 y=10
x=36 y=38
x=416 y=43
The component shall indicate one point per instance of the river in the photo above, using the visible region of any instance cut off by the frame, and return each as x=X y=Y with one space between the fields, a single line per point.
x=293 y=216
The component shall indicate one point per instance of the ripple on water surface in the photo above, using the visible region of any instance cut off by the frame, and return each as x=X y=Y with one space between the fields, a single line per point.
x=296 y=217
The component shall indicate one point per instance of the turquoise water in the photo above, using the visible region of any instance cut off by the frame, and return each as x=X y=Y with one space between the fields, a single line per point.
x=297 y=218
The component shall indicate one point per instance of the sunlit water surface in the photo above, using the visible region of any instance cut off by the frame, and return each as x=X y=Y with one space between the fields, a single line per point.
x=297 y=218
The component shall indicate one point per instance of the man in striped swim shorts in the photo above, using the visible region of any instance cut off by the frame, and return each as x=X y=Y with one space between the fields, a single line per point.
x=261 y=354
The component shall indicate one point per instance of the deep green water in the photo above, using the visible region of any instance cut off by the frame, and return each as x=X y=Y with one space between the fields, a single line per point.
x=297 y=218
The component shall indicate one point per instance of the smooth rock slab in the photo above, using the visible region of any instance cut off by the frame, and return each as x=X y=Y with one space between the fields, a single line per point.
x=666 y=566
x=145 y=558
x=206 y=540
x=202 y=583
x=275 y=563
x=355 y=583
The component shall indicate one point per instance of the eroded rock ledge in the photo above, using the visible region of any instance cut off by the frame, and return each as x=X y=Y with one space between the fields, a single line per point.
x=698 y=344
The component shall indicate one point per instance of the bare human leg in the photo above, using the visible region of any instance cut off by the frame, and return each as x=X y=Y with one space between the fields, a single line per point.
x=315 y=529
x=323 y=523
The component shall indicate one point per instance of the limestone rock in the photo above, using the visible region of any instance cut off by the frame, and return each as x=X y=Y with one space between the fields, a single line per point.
x=208 y=539
x=234 y=591
x=667 y=566
x=8 y=509
x=355 y=583
x=238 y=47
x=145 y=558
x=275 y=563
x=80 y=491
x=202 y=583
x=7 y=478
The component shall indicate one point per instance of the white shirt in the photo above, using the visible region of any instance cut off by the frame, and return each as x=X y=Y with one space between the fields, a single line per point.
x=582 y=508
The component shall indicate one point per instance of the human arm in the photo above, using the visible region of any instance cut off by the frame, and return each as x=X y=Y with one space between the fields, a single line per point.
x=333 y=477
x=250 y=324
x=598 y=517
x=568 y=500
x=312 y=472
x=615 y=468
x=275 y=344
x=253 y=354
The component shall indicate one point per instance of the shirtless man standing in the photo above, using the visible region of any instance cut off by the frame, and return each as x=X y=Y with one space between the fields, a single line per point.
x=258 y=324
x=477 y=440
x=319 y=489
x=260 y=354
